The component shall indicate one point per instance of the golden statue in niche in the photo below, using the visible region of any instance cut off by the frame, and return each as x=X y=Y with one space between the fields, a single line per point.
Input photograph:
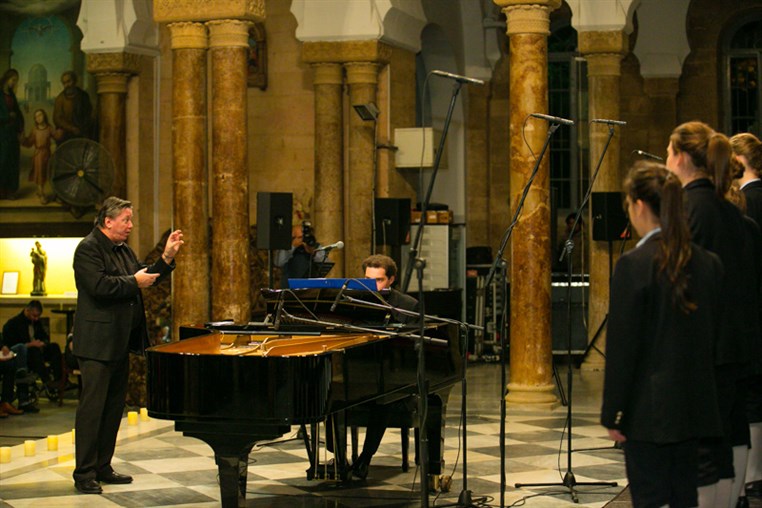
x=40 y=262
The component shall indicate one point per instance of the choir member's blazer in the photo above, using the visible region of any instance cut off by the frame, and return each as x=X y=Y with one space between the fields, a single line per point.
x=659 y=383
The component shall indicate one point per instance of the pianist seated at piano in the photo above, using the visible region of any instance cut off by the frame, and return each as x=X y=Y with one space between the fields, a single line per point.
x=299 y=261
x=384 y=270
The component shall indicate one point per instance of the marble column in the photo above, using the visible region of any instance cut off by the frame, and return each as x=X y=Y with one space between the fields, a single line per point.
x=329 y=158
x=603 y=51
x=477 y=162
x=190 y=282
x=112 y=72
x=663 y=116
x=531 y=356
x=362 y=78
x=228 y=43
x=112 y=95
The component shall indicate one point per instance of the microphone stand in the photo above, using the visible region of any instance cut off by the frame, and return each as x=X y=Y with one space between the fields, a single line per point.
x=498 y=261
x=416 y=244
x=569 y=480
x=419 y=264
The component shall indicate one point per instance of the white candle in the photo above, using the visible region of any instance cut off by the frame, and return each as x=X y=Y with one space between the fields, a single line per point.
x=30 y=448
x=144 y=414
x=132 y=418
x=5 y=454
x=52 y=443
x=73 y=436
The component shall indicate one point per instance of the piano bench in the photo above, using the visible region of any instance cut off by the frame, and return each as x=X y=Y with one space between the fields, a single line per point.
x=401 y=420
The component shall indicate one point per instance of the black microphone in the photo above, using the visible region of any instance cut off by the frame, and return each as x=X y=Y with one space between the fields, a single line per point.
x=339 y=295
x=554 y=119
x=458 y=77
x=337 y=245
x=648 y=155
x=608 y=122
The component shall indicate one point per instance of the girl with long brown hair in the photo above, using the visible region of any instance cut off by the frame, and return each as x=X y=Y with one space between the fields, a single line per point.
x=659 y=392
x=701 y=158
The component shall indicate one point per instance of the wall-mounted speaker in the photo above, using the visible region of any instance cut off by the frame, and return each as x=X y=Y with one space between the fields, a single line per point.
x=609 y=218
x=392 y=221
x=274 y=220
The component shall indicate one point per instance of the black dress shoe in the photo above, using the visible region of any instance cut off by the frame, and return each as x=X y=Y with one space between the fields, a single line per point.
x=90 y=486
x=754 y=489
x=360 y=468
x=114 y=477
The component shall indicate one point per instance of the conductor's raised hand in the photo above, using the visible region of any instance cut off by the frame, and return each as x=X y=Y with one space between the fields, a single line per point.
x=145 y=279
x=174 y=242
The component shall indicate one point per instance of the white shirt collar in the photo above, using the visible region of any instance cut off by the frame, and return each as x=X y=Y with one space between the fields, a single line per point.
x=750 y=181
x=648 y=235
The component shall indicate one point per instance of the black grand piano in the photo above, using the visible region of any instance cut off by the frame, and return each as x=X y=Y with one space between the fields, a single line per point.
x=233 y=385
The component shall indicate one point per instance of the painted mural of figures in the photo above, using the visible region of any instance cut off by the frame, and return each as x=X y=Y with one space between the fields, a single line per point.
x=73 y=112
x=11 y=130
x=40 y=262
x=40 y=138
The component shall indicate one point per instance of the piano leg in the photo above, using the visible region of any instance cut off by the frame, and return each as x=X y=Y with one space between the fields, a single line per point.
x=231 y=454
x=435 y=434
x=233 y=473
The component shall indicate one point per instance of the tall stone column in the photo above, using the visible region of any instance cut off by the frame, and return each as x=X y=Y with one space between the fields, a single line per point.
x=531 y=351
x=477 y=157
x=190 y=282
x=663 y=117
x=228 y=43
x=603 y=51
x=112 y=72
x=329 y=158
x=362 y=78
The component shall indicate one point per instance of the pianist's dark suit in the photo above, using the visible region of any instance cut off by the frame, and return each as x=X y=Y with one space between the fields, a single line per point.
x=379 y=414
x=110 y=322
x=659 y=387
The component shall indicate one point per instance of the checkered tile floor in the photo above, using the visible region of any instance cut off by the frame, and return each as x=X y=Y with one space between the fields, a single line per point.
x=173 y=470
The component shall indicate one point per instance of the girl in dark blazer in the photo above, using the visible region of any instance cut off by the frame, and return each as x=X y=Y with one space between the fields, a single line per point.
x=747 y=149
x=659 y=391
x=701 y=158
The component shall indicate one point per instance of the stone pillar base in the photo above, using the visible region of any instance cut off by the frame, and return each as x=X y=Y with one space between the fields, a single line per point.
x=531 y=397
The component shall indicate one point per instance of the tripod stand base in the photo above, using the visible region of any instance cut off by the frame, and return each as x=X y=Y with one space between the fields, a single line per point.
x=569 y=482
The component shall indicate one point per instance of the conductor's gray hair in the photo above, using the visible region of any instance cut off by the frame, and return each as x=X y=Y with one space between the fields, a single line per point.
x=111 y=208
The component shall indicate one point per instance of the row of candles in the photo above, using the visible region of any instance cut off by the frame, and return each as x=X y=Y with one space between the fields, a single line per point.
x=30 y=446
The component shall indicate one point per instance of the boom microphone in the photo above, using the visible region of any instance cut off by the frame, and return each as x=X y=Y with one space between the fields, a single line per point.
x=648 y=155
x=339 y=295
x=608 y=122
x=458 y=77
x=337 y=245
x=553 y=119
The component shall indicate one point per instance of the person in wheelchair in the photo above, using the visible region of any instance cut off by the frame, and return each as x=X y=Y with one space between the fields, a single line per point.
x=26 y=337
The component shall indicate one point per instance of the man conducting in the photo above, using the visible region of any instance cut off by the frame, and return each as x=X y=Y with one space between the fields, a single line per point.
x=110 y=323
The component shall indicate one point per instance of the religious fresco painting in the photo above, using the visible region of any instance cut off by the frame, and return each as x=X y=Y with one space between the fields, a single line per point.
x=47 y=100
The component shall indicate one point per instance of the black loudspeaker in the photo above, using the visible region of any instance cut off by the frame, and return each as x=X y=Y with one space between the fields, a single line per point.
x=274 y=220
x=560 y=319
x=392 y=221
x=609 y=217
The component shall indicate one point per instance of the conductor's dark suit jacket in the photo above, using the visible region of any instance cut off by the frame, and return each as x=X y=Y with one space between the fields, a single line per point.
x=107 y=299
x=659 y=383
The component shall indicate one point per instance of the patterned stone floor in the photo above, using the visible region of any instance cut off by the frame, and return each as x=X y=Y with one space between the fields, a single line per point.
x=173 y=470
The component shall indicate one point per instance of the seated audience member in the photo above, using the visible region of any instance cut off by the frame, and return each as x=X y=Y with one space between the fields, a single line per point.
x=24 y=331
x=8 y=375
